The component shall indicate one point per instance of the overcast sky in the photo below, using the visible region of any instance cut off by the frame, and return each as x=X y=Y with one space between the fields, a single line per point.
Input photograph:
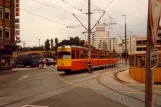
x=34 y=27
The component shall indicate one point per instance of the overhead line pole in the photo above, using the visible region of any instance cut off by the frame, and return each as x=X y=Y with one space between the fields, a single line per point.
x=125 y=42
x=149 y=81
x=89 y=35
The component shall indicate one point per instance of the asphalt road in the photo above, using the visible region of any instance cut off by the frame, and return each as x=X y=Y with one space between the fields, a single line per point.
x=79 y=97
x=51 y=88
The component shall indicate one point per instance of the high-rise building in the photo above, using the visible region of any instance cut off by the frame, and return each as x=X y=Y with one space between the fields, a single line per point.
x=7 y=31
x=100 y=39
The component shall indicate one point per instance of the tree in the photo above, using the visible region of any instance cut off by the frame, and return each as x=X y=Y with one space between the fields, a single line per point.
x=56 y=44
x=77 y=41
x=82 y=42
x=47 y=45
x=52 y=44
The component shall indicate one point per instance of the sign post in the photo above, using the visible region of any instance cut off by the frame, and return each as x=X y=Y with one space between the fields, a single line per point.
x=154 y=10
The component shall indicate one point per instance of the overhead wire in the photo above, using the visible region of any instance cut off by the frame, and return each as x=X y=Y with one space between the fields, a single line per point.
x=47 y=18
x=60 y=10
x=57 y=8
x=107 y=12
x=77 y=9
x=43 y=17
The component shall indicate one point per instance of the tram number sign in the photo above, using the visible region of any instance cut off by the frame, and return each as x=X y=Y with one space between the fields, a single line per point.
x=153 y=59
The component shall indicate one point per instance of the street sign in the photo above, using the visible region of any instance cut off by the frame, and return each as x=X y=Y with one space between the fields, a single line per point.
x=155 y=10
x=153 y=59
x=89 y=53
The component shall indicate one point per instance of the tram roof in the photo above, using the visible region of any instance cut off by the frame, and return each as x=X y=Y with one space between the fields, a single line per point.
x=80 y=47
x=71 y=46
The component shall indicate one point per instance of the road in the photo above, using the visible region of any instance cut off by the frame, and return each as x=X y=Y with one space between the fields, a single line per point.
x=47 y=87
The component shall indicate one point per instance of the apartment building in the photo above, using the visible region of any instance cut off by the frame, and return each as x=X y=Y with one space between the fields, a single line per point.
x=7 y=32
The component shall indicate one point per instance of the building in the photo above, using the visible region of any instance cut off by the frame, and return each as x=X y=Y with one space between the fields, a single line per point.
x=7 y=32
x=138 y=44
x=100 y=39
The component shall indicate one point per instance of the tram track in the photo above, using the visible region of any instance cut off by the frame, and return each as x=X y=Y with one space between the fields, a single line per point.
x=59 y=88
x=119 y=92
x=138 y=89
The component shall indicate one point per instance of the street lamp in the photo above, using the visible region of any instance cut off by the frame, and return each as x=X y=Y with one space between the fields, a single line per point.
x=39 y=42
x=125 y=42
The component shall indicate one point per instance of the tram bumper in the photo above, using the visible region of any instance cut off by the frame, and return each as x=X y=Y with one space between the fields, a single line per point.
x=63 y=68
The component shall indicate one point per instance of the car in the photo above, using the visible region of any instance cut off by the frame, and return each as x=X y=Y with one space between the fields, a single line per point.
x=49 y=61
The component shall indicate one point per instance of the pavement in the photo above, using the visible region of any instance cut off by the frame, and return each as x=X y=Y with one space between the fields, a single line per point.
x=124 y=76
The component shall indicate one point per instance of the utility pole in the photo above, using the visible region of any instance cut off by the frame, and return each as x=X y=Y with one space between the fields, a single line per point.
x=113 y=41
x=39 y=42
x=130 y=42
x=125 y=42
x=89 y=35
x=149 y=73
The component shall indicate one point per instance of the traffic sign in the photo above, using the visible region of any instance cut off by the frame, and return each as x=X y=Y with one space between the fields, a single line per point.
x=89 y=53
x=153 y=59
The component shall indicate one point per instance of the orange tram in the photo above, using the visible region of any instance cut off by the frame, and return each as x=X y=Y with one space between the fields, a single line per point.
x=137 y=67
x=75 y=58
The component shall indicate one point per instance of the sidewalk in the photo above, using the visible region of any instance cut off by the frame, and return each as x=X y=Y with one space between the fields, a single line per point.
x=124 y=76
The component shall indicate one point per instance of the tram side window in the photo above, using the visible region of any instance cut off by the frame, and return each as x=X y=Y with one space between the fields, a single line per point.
x=140 y=61
x=132 y=62
x=73 y=54
x=94 y=55
x=78 y=54
x=85 y=54
x=102 y=55
x=159 y=60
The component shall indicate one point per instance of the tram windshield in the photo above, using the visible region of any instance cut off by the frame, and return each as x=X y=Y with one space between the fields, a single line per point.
x=64 y=55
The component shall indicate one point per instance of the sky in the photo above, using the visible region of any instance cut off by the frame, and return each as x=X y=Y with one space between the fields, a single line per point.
x=39 y=21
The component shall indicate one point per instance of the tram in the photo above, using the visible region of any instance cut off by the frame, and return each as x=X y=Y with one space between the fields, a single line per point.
x=75 y=58
x=137 y=67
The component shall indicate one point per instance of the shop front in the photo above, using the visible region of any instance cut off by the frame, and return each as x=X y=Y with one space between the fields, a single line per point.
x=5 y=62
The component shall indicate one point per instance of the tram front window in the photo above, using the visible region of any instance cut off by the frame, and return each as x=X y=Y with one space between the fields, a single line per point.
x=64 y=55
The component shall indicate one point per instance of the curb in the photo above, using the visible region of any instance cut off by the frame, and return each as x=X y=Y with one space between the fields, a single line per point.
x=118 y=79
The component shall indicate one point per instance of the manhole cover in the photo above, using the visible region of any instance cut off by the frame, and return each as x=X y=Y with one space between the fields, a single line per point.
x=33 y=106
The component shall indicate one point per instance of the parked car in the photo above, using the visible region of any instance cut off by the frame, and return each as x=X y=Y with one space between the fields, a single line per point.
x=49 y=61
x=28 y=59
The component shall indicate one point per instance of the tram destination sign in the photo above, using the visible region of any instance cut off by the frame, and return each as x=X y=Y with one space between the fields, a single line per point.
x=153 y=59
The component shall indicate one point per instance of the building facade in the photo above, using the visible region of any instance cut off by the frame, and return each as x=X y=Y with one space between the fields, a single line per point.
x=100 y=39
x=138 y=44
x=7 y=33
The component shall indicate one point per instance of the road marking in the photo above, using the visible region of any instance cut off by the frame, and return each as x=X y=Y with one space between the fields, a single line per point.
x=23 y=77
x=34 y=106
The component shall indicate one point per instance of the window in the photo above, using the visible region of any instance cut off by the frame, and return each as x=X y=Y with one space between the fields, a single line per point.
x=7 y=34
x=7 y=15
x=1 y=33
x=1 y=12
x=159 y=60
x=73 y=54
x=64 y=55
x=78 y=55
x=5 y=61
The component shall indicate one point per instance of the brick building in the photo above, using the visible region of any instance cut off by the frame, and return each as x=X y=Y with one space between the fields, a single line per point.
x=7 y=33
